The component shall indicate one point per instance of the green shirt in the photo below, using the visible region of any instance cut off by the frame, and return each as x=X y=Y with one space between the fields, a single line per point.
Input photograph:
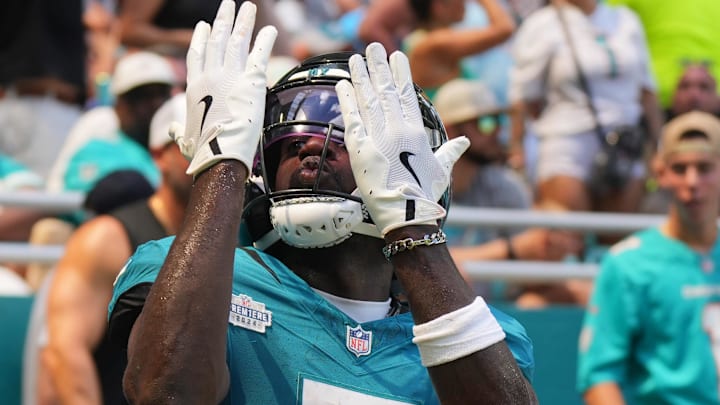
x=678 y=31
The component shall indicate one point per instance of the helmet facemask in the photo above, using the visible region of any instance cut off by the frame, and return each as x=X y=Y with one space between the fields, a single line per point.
x=304 y=104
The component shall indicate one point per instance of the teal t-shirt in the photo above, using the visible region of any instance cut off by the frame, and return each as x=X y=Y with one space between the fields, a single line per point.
x=98 y=158
x=288 y=345
x=653 y=322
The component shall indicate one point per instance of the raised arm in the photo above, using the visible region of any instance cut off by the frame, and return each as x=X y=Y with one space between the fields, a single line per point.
x=179 y=341
x=436 y=289
x=435 y=59
x=401 y=180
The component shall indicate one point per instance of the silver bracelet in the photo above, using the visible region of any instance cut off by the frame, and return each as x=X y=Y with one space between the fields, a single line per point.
x=391 y=249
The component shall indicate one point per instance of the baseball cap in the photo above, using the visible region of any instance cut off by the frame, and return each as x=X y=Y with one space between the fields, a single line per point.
x=138 y=69
x=672 y=140
x=118 y=188
x=172 y=110
x=461 y=100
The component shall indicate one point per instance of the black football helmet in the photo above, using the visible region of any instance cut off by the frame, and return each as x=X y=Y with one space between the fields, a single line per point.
x=304 y=102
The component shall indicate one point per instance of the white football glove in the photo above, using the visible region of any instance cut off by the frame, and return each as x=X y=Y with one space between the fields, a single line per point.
x=225 y=89
x=397 y=174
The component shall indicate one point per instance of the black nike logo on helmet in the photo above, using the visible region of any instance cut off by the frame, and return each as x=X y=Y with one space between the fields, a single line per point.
x=404 y=156
x=208 y=100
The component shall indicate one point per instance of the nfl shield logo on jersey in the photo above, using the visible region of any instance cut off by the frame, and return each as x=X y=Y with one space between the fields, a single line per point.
x=358 y=341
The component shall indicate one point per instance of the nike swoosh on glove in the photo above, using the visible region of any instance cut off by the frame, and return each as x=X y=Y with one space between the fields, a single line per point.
x=398 y=176
x=226 y=89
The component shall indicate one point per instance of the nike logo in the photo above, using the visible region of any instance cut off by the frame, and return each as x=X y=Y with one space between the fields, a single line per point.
x=208 y=100
x=404 y=156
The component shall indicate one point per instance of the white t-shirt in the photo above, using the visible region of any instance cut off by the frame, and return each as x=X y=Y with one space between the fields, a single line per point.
x=610 y=45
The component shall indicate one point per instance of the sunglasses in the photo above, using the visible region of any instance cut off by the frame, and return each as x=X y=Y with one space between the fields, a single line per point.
x=706 y=63
x=487 y=124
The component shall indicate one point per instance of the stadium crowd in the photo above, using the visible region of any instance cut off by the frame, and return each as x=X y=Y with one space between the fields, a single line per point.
x=569 y=105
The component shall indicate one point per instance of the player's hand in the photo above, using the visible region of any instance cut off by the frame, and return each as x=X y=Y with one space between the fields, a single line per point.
x=226 y=89
x=398 y=176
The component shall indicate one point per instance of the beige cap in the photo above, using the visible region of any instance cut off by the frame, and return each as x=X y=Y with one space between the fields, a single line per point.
x=460 y=100
x=138 y=69
x=172 y=110
x=672 y=135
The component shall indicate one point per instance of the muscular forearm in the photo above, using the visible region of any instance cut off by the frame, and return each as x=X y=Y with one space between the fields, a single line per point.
x=428 y=274
x=184 y=321
x=489 y=376
x=434 y=287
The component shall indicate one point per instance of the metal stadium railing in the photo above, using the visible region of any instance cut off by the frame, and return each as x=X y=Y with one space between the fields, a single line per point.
x=597 y=223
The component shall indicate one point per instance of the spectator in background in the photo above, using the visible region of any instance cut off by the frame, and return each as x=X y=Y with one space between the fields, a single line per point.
x=650 y=330
x=305 y=158
x=117 y=188
x=481 y=178
x=436 y=49
x=387 y=22
x=109 y=139
x=322 y=26
x=165 y=26
x=16 y=222
x=610 y=46
x=678 y=32
x=696 y=90
x=84 y=366
x=42 y=78
x=521 y=9
x=103 y=41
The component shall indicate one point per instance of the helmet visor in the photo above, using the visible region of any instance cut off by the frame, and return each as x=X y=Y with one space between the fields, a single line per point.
x=317 y=103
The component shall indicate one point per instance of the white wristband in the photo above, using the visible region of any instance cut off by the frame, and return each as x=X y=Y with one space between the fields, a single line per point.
x=457 y=334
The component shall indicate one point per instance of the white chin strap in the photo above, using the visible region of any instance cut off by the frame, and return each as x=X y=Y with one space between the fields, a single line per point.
x=315 y=222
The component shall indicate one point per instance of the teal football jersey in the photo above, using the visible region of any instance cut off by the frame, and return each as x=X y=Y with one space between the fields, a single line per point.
x=653 y=322
x=288 y=345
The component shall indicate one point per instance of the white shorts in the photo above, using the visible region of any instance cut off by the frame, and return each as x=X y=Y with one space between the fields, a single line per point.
x=572 y=156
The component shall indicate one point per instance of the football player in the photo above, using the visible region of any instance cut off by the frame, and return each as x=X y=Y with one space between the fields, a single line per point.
x=350 y=186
